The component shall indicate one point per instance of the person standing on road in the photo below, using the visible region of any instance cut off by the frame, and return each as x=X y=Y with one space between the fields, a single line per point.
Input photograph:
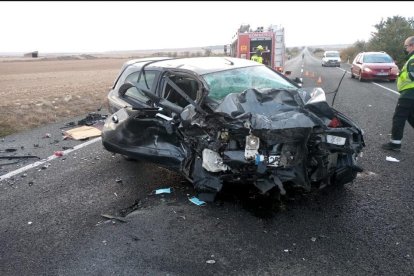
x=404 y=111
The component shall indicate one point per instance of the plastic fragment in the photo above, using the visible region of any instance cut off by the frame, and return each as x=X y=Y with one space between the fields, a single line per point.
x=163 y=191
x=196 y=201
x=392 y=159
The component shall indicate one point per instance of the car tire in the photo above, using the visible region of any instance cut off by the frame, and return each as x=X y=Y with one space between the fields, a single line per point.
x=352 y=75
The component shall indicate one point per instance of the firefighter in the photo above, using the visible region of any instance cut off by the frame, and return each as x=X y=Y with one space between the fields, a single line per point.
x=258 y=55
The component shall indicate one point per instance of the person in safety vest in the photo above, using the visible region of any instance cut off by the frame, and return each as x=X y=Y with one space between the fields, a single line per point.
x=258 y=55
x=404 y=111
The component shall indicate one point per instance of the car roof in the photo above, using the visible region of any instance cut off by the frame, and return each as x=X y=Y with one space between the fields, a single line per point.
x=373 y=53
x=199 y=65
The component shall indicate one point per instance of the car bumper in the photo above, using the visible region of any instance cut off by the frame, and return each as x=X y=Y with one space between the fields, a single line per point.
x=369 y=76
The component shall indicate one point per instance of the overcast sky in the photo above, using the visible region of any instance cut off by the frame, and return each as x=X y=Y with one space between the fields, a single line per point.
x=108 y=26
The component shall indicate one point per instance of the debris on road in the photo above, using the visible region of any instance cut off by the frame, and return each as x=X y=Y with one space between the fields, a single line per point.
x=82 y=132
x=196 y=201
x=392 y=159
x=211 y=261
x=163 y=191
x=114 y=217
x=92 y=119
x=313 y=239
x=58 y=153
x=19 y=157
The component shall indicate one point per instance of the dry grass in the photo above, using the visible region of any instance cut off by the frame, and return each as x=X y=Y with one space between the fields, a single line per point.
x=40 y=92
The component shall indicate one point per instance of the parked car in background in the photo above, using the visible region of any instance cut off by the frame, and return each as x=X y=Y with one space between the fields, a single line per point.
x=221 y=120
x=331 y=58
x=374 y=66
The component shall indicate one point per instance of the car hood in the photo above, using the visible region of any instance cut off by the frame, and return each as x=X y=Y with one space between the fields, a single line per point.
x=272 y=109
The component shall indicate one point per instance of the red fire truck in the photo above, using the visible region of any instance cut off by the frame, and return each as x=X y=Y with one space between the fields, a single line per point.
x=272 y=40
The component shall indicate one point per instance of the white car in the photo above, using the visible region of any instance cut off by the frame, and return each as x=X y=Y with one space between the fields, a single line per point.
x=331 y=58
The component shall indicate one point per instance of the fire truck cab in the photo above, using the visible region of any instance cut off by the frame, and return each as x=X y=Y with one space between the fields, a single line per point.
x=246 y=41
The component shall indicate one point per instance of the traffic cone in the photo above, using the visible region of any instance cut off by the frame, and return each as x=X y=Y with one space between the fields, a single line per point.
x=319 y=81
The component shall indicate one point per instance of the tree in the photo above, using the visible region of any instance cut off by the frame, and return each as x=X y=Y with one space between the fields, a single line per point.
x=390 y=35
x=350 y=53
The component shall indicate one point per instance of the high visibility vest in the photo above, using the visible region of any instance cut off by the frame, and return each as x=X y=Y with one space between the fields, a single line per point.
x=257 y=58
x=404 y=82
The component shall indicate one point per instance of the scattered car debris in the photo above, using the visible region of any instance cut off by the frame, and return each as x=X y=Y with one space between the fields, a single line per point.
x=92 y=119
x=392 y=159
x=114 y=217
x=82 y=132
x=211 y=261
x=313 y=239
x=58 y=153
x=9 y=150
x=196 y=201
x=18 y=157
x=163 y=191
x=118 y=180
x=47 y=135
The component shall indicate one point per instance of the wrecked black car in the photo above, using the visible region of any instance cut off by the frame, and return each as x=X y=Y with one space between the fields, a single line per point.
x=219 y=120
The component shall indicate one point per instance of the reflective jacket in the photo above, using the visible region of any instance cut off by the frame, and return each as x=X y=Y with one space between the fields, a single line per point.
x=405 y=82
x=256 y=58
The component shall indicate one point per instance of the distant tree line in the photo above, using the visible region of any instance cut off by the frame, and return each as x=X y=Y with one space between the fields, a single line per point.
x=388 y=37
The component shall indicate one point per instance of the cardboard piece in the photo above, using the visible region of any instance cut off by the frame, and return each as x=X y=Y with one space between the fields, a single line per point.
x=83 y=132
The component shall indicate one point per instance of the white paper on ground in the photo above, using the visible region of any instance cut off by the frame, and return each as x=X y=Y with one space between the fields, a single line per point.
x=391 y=159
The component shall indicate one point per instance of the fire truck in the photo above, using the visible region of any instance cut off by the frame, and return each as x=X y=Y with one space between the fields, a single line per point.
x=272 y=39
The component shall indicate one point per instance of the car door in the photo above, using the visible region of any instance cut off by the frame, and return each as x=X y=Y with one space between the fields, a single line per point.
x=149 y=130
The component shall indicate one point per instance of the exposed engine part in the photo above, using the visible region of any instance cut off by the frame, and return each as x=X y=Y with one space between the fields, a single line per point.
x=212 y=161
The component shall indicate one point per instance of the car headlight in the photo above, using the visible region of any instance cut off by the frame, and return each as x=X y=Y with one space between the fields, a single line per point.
x=367 y=69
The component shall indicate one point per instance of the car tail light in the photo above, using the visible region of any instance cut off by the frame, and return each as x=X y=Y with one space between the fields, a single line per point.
x=334 y=123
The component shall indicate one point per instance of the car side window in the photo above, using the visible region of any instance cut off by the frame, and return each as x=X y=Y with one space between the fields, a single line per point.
x=145 y=82
x=189 y=86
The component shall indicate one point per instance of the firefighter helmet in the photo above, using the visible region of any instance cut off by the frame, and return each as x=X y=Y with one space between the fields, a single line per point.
x=260 y=48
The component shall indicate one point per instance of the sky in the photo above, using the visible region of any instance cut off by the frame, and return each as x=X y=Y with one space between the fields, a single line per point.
x=114 y=26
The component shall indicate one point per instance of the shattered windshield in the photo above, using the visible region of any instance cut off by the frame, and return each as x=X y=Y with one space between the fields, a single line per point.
x=237 y=80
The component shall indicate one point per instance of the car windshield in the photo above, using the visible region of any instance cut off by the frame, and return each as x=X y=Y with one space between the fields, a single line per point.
x=377 y=58
x=237 y=80
x=332 y=54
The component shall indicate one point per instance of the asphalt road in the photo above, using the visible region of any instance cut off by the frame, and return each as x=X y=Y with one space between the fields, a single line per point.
x=52 y=223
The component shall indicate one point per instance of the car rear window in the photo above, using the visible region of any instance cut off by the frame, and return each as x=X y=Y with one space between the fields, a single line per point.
x=377 y=58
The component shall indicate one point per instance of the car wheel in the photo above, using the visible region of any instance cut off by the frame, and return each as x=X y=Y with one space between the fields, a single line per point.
x=352 y=75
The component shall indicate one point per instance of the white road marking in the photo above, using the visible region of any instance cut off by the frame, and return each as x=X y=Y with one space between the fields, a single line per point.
x=393 y=91
x=386 y=88
x=50 y=158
